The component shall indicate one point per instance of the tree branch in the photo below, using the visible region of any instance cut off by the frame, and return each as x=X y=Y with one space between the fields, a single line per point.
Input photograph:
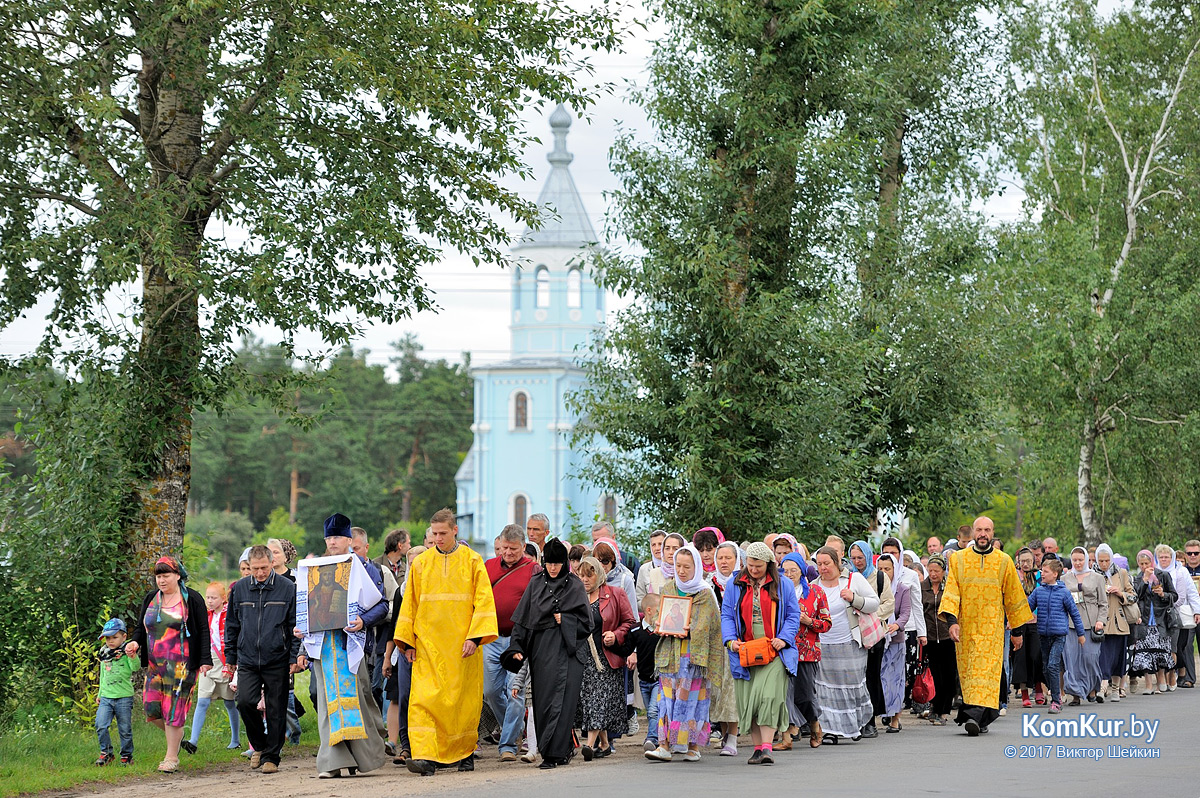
x=34 y=192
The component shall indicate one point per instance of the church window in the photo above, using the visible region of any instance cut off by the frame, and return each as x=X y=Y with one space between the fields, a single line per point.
x=520 y=510
x=542 y=276
x=520 y=416
x=575 y=288
x=609 y=507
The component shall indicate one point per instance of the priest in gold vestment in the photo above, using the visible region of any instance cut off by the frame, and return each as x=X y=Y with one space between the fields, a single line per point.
x=982 y=591
x=448 y=612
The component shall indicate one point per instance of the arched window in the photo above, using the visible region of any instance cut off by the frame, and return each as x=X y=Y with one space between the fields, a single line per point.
x=520 y=510
x=517 y=289
x=542 y=276
x=609 y=508
x=575 y=288
x=520 y=414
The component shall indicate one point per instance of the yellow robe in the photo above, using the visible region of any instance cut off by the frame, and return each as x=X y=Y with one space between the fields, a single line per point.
x=980 y=591
x=448 y=600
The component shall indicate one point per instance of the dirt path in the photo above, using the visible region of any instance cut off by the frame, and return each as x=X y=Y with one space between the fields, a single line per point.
x=297 y=778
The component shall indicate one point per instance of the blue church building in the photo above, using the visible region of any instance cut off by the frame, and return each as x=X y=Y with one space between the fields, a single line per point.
x=521 y=462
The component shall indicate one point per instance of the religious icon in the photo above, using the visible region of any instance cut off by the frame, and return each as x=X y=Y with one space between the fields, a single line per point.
x=674 y=615
x=328 y=596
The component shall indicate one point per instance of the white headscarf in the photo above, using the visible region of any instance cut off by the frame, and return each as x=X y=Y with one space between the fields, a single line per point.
x=1085 y=561
x=696 y=583
x=741 y=563
x=1112 y=566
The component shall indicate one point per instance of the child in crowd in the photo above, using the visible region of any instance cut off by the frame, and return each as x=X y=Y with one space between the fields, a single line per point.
x=118 y=660
x=1053 y=604
x=644 y=643
x=218 y=682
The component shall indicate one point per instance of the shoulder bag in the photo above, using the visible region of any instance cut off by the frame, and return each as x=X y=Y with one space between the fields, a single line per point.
x=923 y=689
x=869 y=626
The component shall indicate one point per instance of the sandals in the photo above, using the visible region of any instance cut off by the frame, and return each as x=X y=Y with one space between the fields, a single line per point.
x=401 y=757
x=167 y=766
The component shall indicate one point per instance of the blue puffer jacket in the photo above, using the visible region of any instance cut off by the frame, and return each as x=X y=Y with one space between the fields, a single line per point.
x=787 y=623
x=1052 y=603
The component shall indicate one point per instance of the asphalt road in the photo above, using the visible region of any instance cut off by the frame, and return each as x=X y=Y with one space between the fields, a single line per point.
x=922 y=760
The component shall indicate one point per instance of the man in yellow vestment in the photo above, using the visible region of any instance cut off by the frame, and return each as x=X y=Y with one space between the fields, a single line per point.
x=447 y=614
x=982 y=589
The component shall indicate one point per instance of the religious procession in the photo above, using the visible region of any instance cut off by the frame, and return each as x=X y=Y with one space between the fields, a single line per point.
x=711 y=648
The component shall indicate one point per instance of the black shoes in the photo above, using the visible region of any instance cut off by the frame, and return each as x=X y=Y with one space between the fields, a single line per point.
x=603 y=752
x=757 y=757
x=188 y=745
x=467 y=765
x=586 y=753
x=422 y=767
x=972 y=727
x=869 y=731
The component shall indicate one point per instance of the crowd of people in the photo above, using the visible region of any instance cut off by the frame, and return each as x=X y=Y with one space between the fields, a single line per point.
x=717 y=641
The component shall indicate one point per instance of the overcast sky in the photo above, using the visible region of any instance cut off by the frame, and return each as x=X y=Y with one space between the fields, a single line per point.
x=473 y=302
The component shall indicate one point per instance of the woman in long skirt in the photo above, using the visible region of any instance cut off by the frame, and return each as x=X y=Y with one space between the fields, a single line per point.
x=1154 y=654
x=758 y=605
x=814 y=619
x=550 y=631
x=891 y=672
x=1120 y=597
x=841 y=681
x=1027 y=660
x=1081 y=671
x=943 y=662
x=688 y=664
x=602 y=697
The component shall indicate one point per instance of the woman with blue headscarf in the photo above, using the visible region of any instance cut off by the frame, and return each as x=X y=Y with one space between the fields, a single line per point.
x=814 y=619
x=861 y=557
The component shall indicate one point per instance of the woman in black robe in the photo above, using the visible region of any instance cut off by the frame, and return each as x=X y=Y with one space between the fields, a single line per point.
x=550 y=629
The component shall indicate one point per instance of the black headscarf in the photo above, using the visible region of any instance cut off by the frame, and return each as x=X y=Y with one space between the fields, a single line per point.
x=555 y=552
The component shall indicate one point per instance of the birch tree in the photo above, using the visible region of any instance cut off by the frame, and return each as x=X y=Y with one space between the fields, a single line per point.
x=1101 y=290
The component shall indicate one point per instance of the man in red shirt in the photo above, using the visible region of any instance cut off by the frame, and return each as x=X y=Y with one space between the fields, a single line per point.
x=509 y=572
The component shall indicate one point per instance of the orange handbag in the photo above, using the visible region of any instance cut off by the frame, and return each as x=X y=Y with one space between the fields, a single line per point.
x=758 y=651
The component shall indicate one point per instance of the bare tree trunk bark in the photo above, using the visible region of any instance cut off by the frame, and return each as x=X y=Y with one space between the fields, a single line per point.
x=171 y=108
x=1092 y=532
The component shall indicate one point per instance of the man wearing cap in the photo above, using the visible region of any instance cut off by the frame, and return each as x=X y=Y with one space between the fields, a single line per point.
x=259 y=644
x=348 y=718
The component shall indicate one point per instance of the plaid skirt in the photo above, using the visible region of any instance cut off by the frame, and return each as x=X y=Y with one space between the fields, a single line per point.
x=842 y=689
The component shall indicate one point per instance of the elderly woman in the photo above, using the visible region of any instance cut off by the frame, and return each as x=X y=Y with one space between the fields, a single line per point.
x=891 y=672
x=282 y=554
x=616 y=575
x=729 y=559
x=551 y=627
x=688 y=664
x=758 y=605
x=175 y=648
x=943 y=662
x=1154 y=653
x=1187 y=607
x=602 y=697
x=1081 y=671
x=1027 y=660
x=1118 y=589
x=841 y=679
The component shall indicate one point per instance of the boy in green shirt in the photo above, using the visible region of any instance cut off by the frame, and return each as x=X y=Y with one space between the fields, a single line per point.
x=118 y=661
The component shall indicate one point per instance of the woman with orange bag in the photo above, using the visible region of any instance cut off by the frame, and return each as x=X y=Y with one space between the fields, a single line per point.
x=759 y=623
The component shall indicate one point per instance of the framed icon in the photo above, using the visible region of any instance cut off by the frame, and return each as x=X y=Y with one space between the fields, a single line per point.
x=674 y=615
x=328 y=596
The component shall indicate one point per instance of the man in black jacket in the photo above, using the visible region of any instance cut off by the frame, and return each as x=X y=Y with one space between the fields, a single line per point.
x=259 y=642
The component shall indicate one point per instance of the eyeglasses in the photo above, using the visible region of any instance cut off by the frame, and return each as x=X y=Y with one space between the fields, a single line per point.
x=1191 y=553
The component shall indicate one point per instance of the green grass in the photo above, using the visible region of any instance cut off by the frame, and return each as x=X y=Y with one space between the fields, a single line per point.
x=58 y=755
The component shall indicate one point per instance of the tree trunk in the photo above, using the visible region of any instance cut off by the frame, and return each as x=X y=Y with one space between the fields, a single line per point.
x=406 y=495
x=171 y=107
x=874 y=271
x=1092 y=533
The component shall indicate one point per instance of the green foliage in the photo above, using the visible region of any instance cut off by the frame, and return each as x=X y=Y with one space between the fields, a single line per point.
x=79 y=679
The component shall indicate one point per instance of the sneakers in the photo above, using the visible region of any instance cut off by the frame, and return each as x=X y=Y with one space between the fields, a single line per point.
x=972 y=727
x=649 y=745
x=105 y=759
x=691 y=756
x=508 y=756
x=659 y=755
x=255 y=760
x=389 y=748
x=529 y=757
x=270 y=767
x=1003 y=711
x=1115 y=696
x=634 y=725
x=1055 y=707
x=126 y=760
x=1025 y=702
